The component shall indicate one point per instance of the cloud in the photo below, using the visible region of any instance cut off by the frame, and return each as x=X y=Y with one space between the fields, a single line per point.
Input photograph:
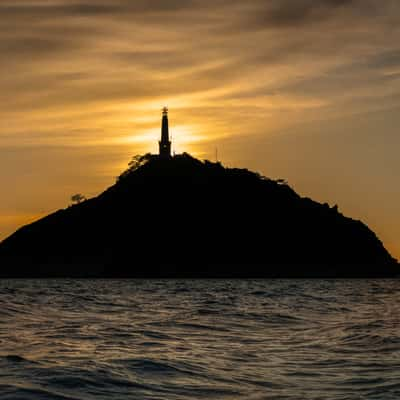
x=60 y=54
x=294 y=13
x=56 y=9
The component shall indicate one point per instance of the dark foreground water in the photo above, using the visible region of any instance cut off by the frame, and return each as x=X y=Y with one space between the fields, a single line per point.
x=277 y=339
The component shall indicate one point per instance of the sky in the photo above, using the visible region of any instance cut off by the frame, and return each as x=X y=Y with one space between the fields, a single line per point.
x=304 y=90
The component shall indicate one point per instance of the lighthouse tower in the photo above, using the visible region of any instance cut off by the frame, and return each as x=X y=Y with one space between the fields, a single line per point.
x=165 y=143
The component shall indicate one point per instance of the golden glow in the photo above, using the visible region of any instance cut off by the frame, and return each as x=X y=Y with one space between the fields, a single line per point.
x=10 y=222
x=307 y=96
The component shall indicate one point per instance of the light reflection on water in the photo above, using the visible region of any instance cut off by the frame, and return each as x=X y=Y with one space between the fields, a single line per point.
x=211 y=339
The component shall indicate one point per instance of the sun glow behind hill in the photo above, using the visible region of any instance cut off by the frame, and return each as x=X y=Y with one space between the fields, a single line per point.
x=306 y=91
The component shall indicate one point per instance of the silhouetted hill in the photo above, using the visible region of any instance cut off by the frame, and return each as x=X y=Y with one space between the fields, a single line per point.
x=181 y=217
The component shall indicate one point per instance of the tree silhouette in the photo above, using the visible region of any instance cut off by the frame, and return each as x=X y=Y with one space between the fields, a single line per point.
x=136 y=162
x=77 y=198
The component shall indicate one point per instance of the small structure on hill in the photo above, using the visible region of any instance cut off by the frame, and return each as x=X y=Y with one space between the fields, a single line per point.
x=164 y=143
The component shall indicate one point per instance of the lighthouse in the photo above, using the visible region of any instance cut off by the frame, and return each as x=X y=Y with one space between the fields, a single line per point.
x=165 y=143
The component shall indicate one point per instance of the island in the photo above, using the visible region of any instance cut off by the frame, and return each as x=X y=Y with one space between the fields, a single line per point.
x=174 y=216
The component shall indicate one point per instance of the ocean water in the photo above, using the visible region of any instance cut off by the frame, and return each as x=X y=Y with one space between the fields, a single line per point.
x=206 y=339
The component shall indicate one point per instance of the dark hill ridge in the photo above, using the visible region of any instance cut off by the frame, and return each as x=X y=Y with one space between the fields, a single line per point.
x=180 y=217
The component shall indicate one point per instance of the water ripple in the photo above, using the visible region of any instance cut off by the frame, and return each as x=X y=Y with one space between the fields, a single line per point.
x=206 y=339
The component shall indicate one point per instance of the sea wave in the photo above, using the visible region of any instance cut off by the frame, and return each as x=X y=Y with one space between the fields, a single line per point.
x=210 y=339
